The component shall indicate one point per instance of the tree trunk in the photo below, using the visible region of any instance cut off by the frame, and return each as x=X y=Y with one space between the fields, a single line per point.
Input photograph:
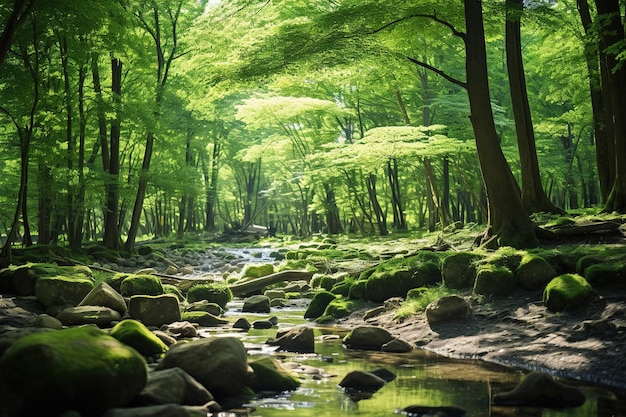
x=534 y=198
x=399 y=222
x=19 y=13
x=508 y=220
x=333 y=222
x=141 y=194
x=381 y=220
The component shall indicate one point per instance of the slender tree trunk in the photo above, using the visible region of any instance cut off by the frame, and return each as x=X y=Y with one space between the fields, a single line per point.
x=508 y=220
x=381 y=220
x=333 y=222
x=19 y=13
x=534 y=198
x=399 y=221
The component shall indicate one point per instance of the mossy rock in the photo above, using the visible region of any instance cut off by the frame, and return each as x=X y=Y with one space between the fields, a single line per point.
x=567 y=291
x=217 y=293
x=257 y=271
x=343 y=287
x=271 y=375
x=203 y=318
x=338 y=308
x=395 y=277
x=358 y=289
x=116 y=280
x=605 y=275
x=327 y=282
x=459 y=270
x=141 y=285
x=494 y=280
x=318 y=304
x=586 y=261
x=534 y=272
x=62 y=290
x=173 y=289
x=81 y=368
x=134 y=334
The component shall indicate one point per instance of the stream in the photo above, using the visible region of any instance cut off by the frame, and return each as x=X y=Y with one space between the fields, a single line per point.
x=422 y=378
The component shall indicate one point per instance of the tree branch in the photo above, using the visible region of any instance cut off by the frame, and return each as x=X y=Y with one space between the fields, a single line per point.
x=438 y=72
x=432 y=17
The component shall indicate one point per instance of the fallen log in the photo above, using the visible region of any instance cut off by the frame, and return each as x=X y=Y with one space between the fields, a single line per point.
x=256 y=284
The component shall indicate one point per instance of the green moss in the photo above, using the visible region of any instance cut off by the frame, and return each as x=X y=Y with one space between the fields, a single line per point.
x=257 y=271
x=534 y=272
x=134 y=334
x=567 y=291
x=358 y=289
x=419 y=299
x=217 y=293
x=318 y=304
x=459 y=269
x=605 y=275
x=338 y=308
x=173 y=289
x=494 y=280
x=141 y=285
x=62 y=290
x=327 y=282
x=203 y=318
x=270 y=375
x=343 y=287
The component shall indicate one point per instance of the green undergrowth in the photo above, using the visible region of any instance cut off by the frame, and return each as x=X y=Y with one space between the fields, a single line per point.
x=418 y=299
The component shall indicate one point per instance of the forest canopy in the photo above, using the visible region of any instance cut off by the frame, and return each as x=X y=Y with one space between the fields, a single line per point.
x=126 y=119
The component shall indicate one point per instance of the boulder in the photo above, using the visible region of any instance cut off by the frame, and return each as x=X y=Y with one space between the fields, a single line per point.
x=256 y=304
x=62 y=290
x=426 y=410
x=374 y=312
x=270 y=375
x=534 y=272
x=448 y=308
x=273 y=294
x=100 y=316
x=220 y=364
x=262 y=324
x=362 y=381
x=154 y=310
x=458 y=270
x=80 y=368
x=48 y=322
x=567 y=291
x=203 y=319
x=297 y=339
x=494 y=280
x=173 y=386
x=397 y=346
x=141 y=285
x=134 y=334
x=539 y=389
x=205 y=305
x=242 y=323
x=217 y=293
x=367 y=337
x=318 y=304
x=395 y=277
x=104 y=295
x=180 y=329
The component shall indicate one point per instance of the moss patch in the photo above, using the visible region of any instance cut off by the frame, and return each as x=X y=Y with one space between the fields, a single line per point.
x=318 y=304
x=217 y=293
x=257 y=271
x=141 y=285
x=494 y=280
x=338 y=308
x=459 y=269
x=134 y=334
x=567 y=291
x=270 y=375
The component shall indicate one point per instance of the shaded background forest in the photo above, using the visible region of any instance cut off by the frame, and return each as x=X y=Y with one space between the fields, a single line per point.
x=125 y=119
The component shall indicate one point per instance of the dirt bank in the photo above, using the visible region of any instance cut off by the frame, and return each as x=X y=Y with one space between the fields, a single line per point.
x=587 y=345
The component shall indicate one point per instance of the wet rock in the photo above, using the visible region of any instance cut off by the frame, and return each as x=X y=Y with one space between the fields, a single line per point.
x=539 y=389
x=297 y=339
x=534 y=272
x=146 y=271
x=567 y=291
x=180 y=329
x=262 y=324
x=373 y=312
x=448 y=308
x=173 y=386
x=141 y=285
x=62 y=290
x=270 y=375
x=154 y=310
x=397 y=346
x=134 y=334
x=205 y=305
x=171 y=270
x=104 y=295
x=256 y=304
x=273 y=294
x=428 y=411
x=47 y=321
x=80 y=368
x=220 y=364
x=187 y=270
x=166 y=410
x=318 y=304
x=367 y=337
x=362 y=381
x=165 y=338
x=242 y=323
x=278 y=302
x=100 y=316
x=203 y=319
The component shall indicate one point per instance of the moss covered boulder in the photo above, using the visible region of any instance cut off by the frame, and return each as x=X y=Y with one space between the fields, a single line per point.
x=62 y=290
x=134 y=334
x=534 y=272
x=459 y=270
x=367 y=337
x=257 y=271
x=141 y=285
x=338 y=308
x=217 y=293
x=270 y=375
x=203 y=318
x=567 y=291
x=318 y=304
x=494 y=280
x=448 y=308
x=81 y=369
x=395 y=277
x=104 y=295
x=605 y=274
x=154 y=310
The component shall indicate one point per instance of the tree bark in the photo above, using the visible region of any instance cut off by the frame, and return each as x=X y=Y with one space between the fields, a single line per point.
x=534 y=198
x=508 y=221
x=21 y=9
x=381 y=220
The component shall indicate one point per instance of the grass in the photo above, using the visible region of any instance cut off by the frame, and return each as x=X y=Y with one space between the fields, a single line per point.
x=412 y=306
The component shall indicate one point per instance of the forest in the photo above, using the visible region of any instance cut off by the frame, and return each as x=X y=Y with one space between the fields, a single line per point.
x=124 y=120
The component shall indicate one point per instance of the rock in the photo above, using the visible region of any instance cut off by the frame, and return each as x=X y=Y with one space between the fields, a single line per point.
x=534 y=272
x=205 y=305
x=141 y=285
x=262 y=324
x=397 y=346
x=220 y=364
x=217 y=293
x=448 y=308
x=278 y=303
x=373 y=312
x=154 y=310
x=367 y=337
x=104 y=295
x=567 y=291
x=539 y=389
x=242 y=323
x=362 y=381
x=171 y=270
x=187 y=270
x=256 y=304
x=173 y=386
x=395 y=277
x=62 y=290
x=273 y=294
x=297 y=339
x=180 y=329
x=146 y=271
x=270 y=375
x=134 y=334
x=100 y=316
x=494 y=280
x=166 y=410
x=7 y=337
x=428 y=411
x=318 y=304
x=165 y=338
x=257 y=271
x=605 y=275
x=459 y=270
x=49 y=322
x=384 y=373
x=80 y=368
x=23 y=280
x=203 y=318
